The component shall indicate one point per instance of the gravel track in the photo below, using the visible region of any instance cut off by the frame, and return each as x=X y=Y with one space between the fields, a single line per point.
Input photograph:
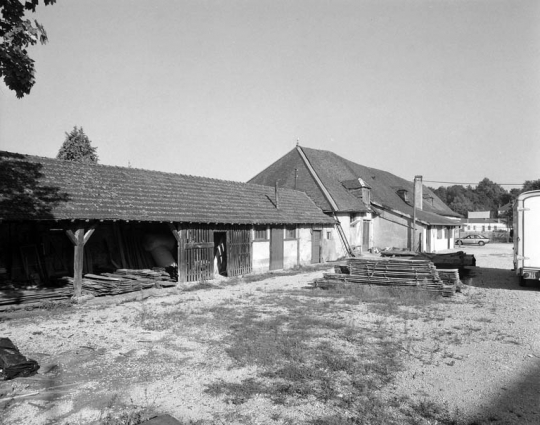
x=479 y=356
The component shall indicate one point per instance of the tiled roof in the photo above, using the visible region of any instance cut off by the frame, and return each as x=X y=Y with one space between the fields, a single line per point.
x=44 y=188
x=291 y=171
x=336 y=174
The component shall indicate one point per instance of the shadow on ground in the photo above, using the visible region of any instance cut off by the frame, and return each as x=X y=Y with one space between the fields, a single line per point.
x=491 y=278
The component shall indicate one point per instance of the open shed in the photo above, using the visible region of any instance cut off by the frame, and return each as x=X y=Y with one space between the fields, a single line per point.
x=61 y=218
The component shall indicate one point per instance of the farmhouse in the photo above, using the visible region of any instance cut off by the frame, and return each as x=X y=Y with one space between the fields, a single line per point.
x=61 y=218
x=373 y=208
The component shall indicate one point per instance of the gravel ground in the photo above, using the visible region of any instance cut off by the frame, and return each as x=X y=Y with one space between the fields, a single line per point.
x=480 y=358
x=493 y=367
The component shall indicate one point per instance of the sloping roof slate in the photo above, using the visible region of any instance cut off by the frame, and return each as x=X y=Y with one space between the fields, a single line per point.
x=44 y=188
x=334 y=171
x=291 y=167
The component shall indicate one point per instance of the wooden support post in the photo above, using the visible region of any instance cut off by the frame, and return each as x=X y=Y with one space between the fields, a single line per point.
x=78 y=239
x=180 y=236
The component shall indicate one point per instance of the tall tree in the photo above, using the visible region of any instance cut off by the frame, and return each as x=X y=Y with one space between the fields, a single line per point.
x=77 y=147
x=531 y=185
x=16 y=34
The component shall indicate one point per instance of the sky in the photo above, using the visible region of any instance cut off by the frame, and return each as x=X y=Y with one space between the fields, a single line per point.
x=446 y=89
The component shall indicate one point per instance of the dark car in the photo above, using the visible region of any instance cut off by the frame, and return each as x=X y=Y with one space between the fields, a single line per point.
x=472 y=240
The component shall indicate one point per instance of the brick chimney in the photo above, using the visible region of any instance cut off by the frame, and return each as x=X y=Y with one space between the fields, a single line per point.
x=419 y=196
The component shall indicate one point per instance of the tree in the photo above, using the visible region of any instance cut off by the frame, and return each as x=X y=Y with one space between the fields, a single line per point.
x=16 y=34
x=531 y=185
x=77 y=147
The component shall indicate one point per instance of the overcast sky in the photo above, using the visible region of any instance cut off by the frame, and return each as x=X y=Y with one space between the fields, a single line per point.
x=448 y=89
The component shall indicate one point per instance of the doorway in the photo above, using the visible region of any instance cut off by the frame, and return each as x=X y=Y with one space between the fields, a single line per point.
x=220 y=252
x=276 y=249
x=316 y=246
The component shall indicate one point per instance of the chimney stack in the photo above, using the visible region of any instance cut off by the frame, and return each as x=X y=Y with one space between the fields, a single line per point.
x=418 y=195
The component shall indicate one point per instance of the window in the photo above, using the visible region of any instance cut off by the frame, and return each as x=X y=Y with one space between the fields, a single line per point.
x=328 y=235
x=403 y=194
x=495 y=228
x=290 y=232
x=260 y=233
x=439 y=233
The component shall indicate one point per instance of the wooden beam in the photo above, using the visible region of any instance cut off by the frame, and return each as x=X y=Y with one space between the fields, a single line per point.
x=78 y=261
x=174 y=231
x=71 y=237
x=90 y=232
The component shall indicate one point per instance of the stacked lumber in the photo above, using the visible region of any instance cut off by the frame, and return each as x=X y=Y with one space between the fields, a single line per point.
x=417 y=273
x=451 y=281
x=122 y=281
x=453 y=260
x=119 y=282
x=30 y=296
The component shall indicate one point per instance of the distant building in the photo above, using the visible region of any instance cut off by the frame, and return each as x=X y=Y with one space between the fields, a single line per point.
x=371 y=207
x=479 y=214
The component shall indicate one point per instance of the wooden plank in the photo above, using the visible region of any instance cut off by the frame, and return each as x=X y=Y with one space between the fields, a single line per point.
x=192 y=245
x=182 y=260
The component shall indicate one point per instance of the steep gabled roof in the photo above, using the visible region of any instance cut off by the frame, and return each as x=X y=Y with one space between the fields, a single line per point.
x=44 y=188
x=336 y=174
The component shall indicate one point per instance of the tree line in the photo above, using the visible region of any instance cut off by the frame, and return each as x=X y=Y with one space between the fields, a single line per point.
x=486 y=196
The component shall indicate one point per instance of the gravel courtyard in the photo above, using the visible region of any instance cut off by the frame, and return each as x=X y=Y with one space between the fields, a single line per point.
x=476 y=356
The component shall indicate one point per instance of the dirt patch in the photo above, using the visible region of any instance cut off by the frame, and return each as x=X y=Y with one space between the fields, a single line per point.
x=274 y=351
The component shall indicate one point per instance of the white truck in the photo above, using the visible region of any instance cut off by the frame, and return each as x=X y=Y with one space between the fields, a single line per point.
x=527 y=236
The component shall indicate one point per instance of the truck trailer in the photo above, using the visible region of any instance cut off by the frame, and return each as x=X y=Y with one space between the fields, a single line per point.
x=527 y=236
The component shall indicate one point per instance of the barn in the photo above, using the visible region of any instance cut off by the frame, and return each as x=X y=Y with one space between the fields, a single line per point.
x=61 y=218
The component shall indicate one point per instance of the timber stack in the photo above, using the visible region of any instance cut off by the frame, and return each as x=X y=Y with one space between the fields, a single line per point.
x=119 y=282
x=416 y=273
x=122 y=281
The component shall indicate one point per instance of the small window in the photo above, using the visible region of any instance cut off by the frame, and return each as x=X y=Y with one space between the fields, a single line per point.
x=495 y=228
x=403 y=194
x=328 y=235
x=439 y=233
x=290 y=232
x=260 y=233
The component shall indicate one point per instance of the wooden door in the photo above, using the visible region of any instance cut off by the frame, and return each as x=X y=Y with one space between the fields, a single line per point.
x=239 y=251
x=316 y=246
x=365 y=236
x=276 y=248
x=199 y=258
x=428 y=239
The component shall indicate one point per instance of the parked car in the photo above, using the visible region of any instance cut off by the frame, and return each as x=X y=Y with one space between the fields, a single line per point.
x=472 y=240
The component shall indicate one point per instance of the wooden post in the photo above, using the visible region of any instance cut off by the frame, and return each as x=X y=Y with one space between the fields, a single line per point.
x=180 y=236
x=78 y=239
x=182 y=261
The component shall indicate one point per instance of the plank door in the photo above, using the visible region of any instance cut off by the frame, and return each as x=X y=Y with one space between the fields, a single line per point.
x=199 y=254
x=276 y=248
x=239 y=252
x=316 y=246
x=365 y=235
